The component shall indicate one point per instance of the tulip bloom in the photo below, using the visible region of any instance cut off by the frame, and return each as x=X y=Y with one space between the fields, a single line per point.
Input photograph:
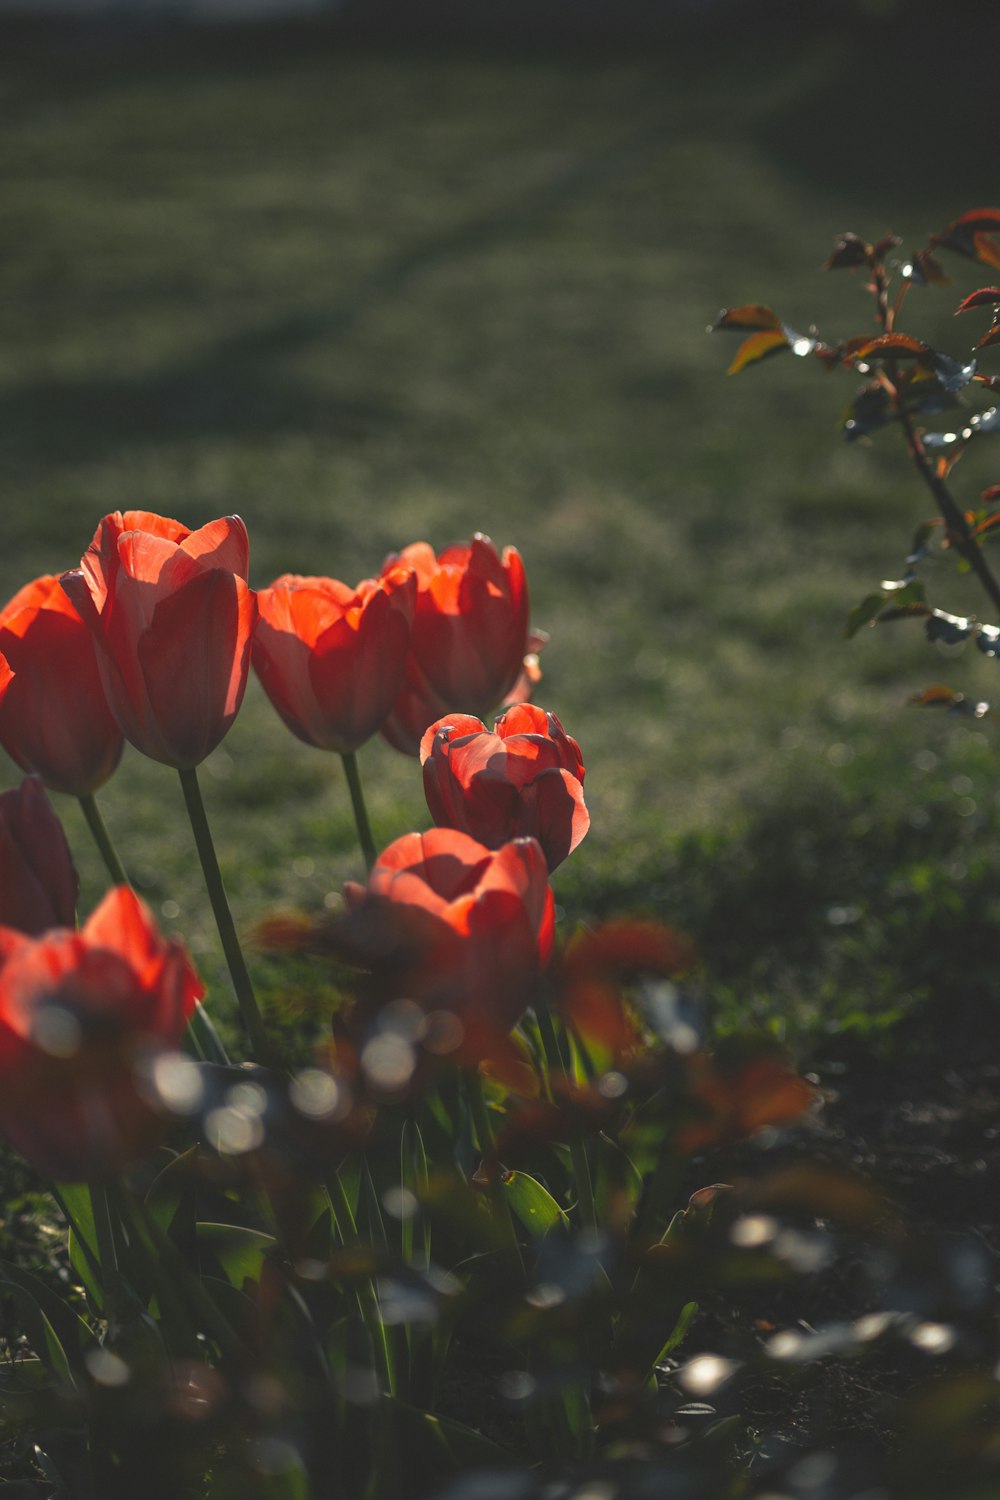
x=331 y=658
x=38 y=884
x=80 y=1013
x=54 y=716
x=171 y=616
x=455 y=925
x=470 y=635
x=526 y=778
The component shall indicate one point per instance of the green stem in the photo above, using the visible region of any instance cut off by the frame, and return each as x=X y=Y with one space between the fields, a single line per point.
x=102 y=839
x=246 y=999
x=577 y=1145
x=371 y=1313
x=362 y=824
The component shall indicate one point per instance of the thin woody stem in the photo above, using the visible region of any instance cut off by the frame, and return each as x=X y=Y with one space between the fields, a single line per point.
x=953 y=517
x=951 y=512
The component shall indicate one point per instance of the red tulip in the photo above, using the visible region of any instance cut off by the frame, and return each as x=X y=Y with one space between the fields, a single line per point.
x=526 y=778
x=38 y=884
x=331 y=658
x=54 y=716
x=80 y=1013
x=172 y=617
x=454 y=925
x=470 y=635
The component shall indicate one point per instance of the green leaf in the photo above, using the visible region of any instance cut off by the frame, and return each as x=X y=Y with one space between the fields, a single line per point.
x=415 y=1231
x=533 y=1204
x=74 y=1200
x=865 y=613
x=371 y=1225
x=168 y=1190
x=440 y=1445
x=38 y=1327
x=239 y=1251
x=618 y=1182
x=74 y=1334
x=684 y=1321
x=28 y=1398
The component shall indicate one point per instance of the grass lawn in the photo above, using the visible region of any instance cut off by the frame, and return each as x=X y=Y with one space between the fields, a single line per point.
x=363 y=296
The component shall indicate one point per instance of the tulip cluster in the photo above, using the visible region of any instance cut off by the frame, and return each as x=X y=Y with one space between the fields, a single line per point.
x=151 y=640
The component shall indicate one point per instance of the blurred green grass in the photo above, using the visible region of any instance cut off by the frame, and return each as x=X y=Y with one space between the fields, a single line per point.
x=363 y=296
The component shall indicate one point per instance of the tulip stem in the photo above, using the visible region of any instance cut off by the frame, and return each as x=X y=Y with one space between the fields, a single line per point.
x=102 y=839
x=362 y=824
x=246 y=999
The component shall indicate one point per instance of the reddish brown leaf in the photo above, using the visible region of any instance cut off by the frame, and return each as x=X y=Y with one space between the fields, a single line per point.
x=764 y=1091
x=992 y=382
x=894 y=346
x=758 y=346
x=852 y=345
x=933 y=270
x=987 y=250
x=987 y=524
x=978 y=218
x=750 y=315
x=991 y=336
x=597 y=964
x=934 y=697
x=969 y=235
x=982 y=298
x=990 y=496
x=850 y=250
x=830 y=355
x=886 y=243
x=925 y=269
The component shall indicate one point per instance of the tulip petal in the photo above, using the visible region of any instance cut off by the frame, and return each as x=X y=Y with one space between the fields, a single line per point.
x=194 y=659
x=221 y=544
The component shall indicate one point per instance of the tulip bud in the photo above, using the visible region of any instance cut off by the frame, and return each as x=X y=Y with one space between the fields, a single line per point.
x=38 y=884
